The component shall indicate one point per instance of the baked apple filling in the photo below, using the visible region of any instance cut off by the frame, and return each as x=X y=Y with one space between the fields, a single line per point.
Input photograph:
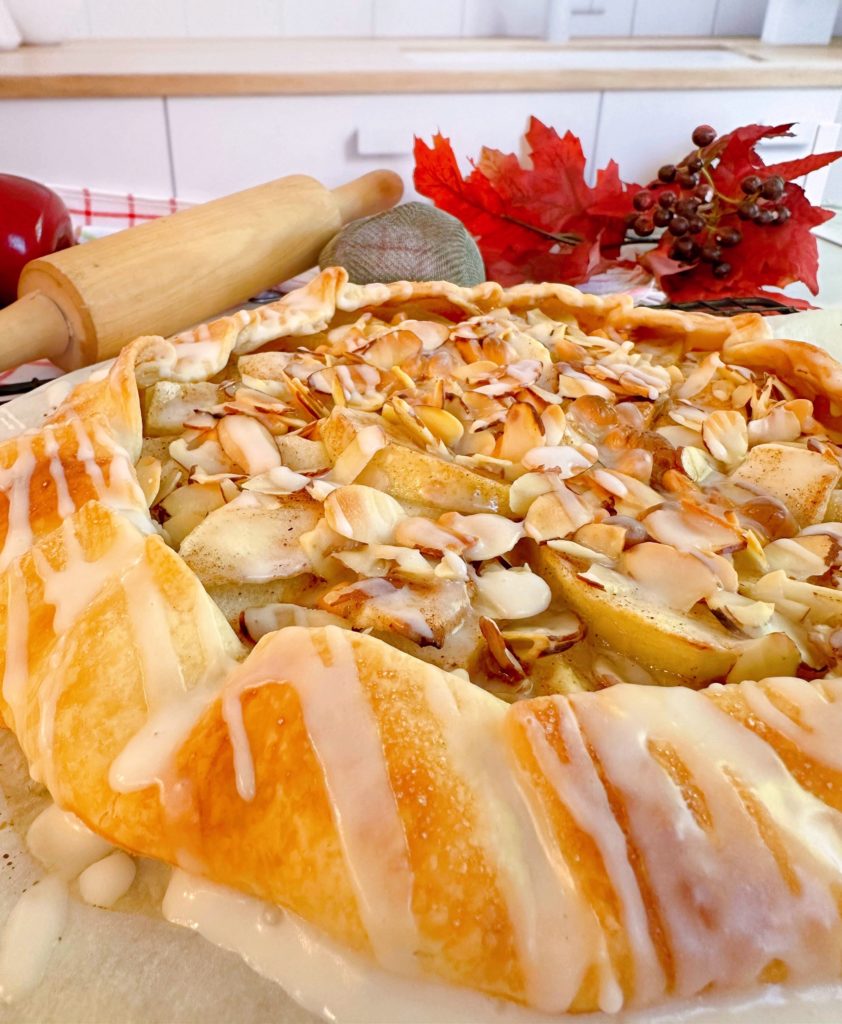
x=546 y=505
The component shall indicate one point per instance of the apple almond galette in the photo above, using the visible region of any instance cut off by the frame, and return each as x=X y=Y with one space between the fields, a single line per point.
x=493 y=632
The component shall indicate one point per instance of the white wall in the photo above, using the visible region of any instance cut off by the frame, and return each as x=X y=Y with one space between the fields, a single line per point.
x=367 y=18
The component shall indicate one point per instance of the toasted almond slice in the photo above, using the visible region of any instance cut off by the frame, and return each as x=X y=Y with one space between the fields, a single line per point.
x=780 y=425
x=490 y=535
x=148 y=471
x=726 y=436
x=746 y=614
x=277 y=480
x=357 y=455
x=248 y=444
x=208 y=456
x=690 y=527
x=522 y=431
x=441 y=423
x=610 y=540
x=363 y=514
x=422 y=533
x=549 y=633
x=672 y=577
x=696 y=463
x=799 y=560
x=556 y=514
x=566 y=460
x=392 y=349
x=432 y=334
x=554 y=422
x=527 y=488
x=512 y=594
x=774 y=654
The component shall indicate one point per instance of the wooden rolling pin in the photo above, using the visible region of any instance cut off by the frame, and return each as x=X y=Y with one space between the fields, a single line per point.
x=85 y=303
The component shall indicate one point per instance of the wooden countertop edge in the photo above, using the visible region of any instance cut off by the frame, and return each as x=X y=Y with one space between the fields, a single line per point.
x=63 y=86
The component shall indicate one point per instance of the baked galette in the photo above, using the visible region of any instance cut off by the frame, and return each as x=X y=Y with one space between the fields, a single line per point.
x=493 y=632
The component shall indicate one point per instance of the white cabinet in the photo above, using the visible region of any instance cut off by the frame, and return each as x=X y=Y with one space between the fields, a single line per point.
x=643 y=130
x=223 y=144
x=112 y=145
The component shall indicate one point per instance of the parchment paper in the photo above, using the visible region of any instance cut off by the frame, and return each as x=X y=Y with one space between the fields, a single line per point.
x=128 y=965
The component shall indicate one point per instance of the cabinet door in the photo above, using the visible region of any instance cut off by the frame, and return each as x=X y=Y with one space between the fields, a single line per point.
x=643 y=130
x=223 y=144
x=112 y=145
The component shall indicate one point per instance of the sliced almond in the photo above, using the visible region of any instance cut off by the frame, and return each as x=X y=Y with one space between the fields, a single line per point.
x=512 y=594
x=422 y=533
x=441 y=423
x=357 y=455
x=489 y=535
x=363 y=514
x=148 y=472
x=522 y=431
x=610 y=540
x=248 y=444
x=564 y=459
x=726 y=436
x=673 y=577
x=278 y=480
x=689 y=526
x=556 y=514
x=527 y=488
x=780 y=425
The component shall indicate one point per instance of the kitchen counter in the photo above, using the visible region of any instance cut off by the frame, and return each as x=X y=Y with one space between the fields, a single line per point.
x=207 y=67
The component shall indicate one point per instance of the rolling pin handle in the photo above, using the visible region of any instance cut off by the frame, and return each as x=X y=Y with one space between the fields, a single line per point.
x=32 y=328
x=371 y=193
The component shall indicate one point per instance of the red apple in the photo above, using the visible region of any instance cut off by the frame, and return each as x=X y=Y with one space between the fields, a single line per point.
x=33 y=222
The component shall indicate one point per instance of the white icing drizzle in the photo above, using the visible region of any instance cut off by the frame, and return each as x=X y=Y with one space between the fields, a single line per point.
x=144 y=759
x=64 y=844
x=163 y=678
x=16 y=666
x=340 y=986
x=104 y=882
x=544 y=906
x=14 y=485
x=580 y=790
x=30 y=933
x=86 y=455
x=818 y=728
x=724 y=923
x=72 y=588
x=65 y=504
x=335 y=708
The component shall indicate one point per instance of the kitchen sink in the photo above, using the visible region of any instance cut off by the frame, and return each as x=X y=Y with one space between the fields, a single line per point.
x=563 y=58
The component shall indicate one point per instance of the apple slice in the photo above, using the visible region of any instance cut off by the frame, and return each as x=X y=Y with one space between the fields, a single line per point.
x=693 y=649
x=802 y=479
x=409 y=474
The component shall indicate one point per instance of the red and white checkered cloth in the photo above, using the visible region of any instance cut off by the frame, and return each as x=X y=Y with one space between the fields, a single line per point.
x=94 y=214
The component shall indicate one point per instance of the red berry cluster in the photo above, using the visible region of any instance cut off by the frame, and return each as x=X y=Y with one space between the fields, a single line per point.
x=691 y=210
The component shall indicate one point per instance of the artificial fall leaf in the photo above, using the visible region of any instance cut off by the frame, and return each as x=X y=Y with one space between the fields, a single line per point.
x=768 y=256
x=540 y=223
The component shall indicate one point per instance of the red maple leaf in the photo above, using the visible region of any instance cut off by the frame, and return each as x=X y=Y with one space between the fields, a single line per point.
x=768 y=256
x=542 y=222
